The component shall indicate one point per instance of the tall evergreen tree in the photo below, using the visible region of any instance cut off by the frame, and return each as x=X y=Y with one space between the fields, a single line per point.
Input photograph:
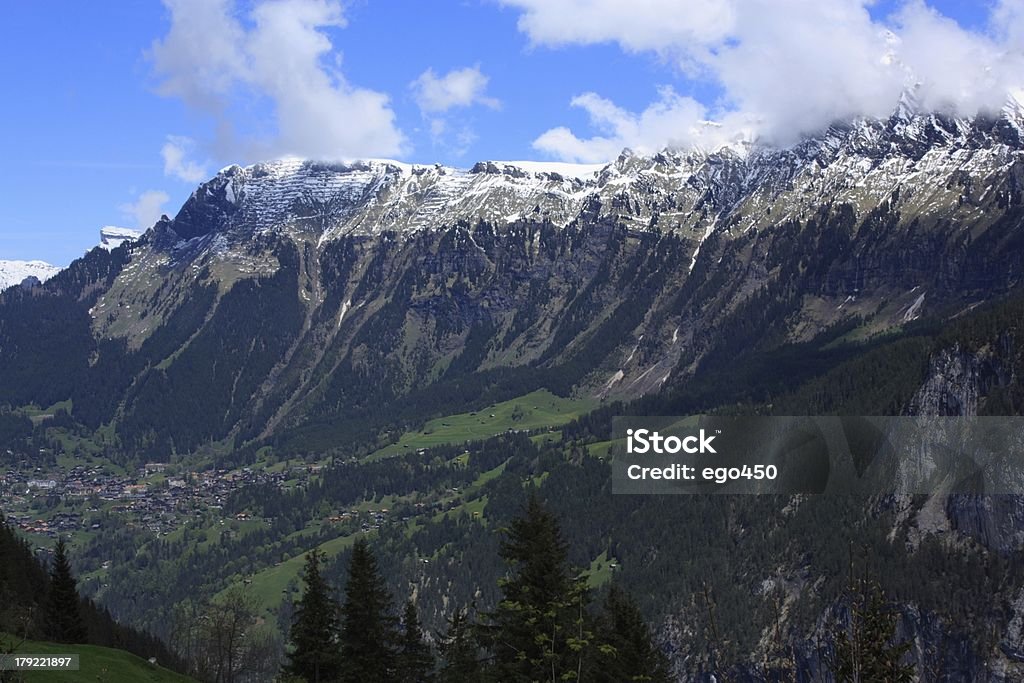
x=864 y=651
x=63 y=616
x=460 y=651
x=315 y=628
x=627 y=652
x=538 y=630
x=415 y=661
x=23 y=583
x=369 y=629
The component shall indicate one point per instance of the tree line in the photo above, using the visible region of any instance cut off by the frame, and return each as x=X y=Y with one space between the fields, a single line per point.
x=543 y=628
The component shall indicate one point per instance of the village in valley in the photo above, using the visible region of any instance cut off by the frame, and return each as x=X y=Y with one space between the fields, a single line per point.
x=54 y=501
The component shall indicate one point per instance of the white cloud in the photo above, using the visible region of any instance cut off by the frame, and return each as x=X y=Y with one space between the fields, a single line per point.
x=210 y=56
x=957 y=69
x=464 y=139
x=671 y=120
x=455 y=137
x=202 y=56
x=438 y=127
x=793 y=66
x=1008 y=21
x=661 y=25
x=147 y=209
x=176 y=163
x=437 y=96
x=798 y=66
x=457 y=88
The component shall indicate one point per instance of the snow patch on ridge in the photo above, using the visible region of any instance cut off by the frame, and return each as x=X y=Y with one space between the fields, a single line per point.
x=14 y=272
x=579 y=171
x=112 y=236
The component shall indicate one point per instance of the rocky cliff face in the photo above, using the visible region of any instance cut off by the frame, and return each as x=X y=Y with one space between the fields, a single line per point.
x=615 y=280
x=965 y=377
x=956 y=383
x=308 y=306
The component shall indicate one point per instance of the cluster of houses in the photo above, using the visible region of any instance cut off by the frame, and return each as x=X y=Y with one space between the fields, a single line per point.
x=54 y=502
x=33 y=500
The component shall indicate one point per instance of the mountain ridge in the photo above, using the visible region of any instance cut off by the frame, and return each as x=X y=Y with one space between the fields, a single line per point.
x=296 y=313
x=615 y=282
x=666 y=190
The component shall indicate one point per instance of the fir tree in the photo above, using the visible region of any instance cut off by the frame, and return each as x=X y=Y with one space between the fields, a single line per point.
x=460 y=651
x=627 y=652
x=415 y=662
x=315 y=628
x=63 y=616
x=864 y=651
x=538 y=630
x=368 y=632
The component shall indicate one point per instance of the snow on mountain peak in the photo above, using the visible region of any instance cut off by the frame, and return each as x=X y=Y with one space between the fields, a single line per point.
x=332 y=199
x=112 y=236
x=858 y=161
x=568 y=170
x=908 y=105
x=14 y=272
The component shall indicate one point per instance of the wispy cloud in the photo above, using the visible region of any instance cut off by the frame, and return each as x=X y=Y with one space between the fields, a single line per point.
x=176 y=163
x=672 y=119
x=146 y=209
x=457 y=88
x=212 y=56
x=437 y=97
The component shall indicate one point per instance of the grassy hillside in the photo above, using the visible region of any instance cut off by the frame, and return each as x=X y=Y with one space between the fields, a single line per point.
x=269 y=586
x=537 y=410
x=96 y=664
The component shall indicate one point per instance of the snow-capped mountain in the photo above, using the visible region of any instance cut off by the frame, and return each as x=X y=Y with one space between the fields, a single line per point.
x=14 y=272
x=295 y=307
x=111 y=236
x=690 y=193
x=367 y=198
x=619 y=279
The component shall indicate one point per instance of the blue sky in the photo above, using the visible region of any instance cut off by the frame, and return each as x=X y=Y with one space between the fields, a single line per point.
x=114 y=111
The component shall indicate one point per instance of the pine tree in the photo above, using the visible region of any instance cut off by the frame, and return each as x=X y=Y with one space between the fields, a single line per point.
x=627 y=652
x=315 y=628
x=538 y=630
x=63 y=615
x=864 y=651
x=460 y=651
x=368 y=632
x=415 y=662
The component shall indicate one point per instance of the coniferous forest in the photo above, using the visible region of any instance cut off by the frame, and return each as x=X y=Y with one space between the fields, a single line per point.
x=455 y=588
x=296 y=432
x=40 y=601
x=544 y=626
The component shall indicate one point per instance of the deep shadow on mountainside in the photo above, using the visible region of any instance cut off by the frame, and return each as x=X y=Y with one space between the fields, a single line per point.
x=315 y=310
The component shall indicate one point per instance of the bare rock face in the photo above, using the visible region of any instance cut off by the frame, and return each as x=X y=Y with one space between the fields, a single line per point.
x=951 y=387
